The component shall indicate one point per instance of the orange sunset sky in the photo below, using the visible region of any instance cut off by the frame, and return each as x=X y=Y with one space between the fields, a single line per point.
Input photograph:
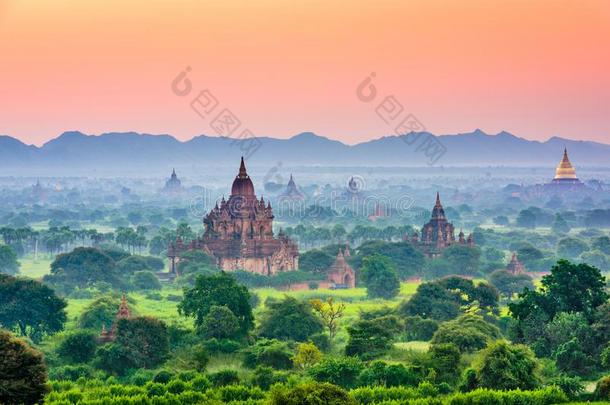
x=535 y=68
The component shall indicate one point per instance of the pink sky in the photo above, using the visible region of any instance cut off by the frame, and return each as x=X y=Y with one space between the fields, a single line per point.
x=534 y=68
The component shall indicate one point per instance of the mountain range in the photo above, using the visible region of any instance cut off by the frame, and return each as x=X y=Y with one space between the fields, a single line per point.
x=76 y=152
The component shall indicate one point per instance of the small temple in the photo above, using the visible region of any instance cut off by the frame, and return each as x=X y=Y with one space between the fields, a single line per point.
x=341 y=274
x=515 y=266
x=123 y=313
x=438 y=233
x=173 y=185
x=239 y=234
x=292 y=192
x=38 y=191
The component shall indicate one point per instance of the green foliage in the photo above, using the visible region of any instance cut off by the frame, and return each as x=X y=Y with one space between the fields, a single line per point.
x=463 y=259
x=468 y=332
x=145 y=280
x=268 y=352
x=196 y=262
x=99 y=312
x=145 y=339
x=218 y=290
x=71 y=372
x=83 y=267
x=311 y=394
x=289 y=319
x=507 y=367
x=445 y=360
x=224 y=377
x=418 y=328
x=443 y=299
x=571 y=248
x=602 y=389
x=407 y=260
x=307 y=354
x=8 y=260
x=509 y=284
x=571 y=386
x=315 y=261
x=341 y=371
x=371 y=338
x=113 y=358
x=23 y=374
x=78 y=347
x=220 y=323
x=30 y=307
x=380 y=277
x=379 y=373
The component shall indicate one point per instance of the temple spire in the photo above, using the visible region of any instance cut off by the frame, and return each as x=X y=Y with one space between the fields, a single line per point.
x=242 y=169
x=438 y=199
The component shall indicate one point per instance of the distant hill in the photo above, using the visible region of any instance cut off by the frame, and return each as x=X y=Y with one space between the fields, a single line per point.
x=77 y=152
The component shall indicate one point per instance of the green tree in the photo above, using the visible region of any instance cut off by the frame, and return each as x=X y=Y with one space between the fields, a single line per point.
x=268 y=352
x=307 y=354
x=406 y=259
x=341 y=371
x=220 y=323
x=570 y=248
x=602 y=244
x=82 y=268
x=78 y=347
x=526 y=219
x=560 y=225
x=8 y=260
x=289 y=319
x=315 y=261
x=503 y=366
x=380 y=277
x=509 y=284
x=445 y=360
x=145 y=280
x=370 y=338
x=100 y=312
x=30 y=307
x=464 y=260
x=221 y=290
x=468 y=332
x=23 y=373
x=145 y=340
x=330 y=313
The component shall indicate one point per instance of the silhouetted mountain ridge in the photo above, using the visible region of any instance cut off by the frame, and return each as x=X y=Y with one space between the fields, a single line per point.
x=78 y=151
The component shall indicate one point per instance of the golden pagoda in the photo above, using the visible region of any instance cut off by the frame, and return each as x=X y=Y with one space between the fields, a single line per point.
x=565 y=172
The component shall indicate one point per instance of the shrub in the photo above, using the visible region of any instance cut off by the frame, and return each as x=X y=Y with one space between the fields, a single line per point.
x=268 y=352
x=602 y=390
x=176 y=386
x=311 y=394
x=239 y=393
x=70 y=372
x=163 y=376
x=468 y=332
x=145 y=280
x=201 y=383
x=224 y=377
x=307 y=354
x=418 y=328
x=341 y=371
x=265 y=377
x=78 y=347
x=380 y=373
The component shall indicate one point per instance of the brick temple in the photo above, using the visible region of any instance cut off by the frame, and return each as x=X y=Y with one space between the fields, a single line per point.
x=239 y=234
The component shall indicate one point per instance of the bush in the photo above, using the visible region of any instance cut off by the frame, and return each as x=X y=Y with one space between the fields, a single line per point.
x=468 y=332
x=311 y=394
x=70 y=372
x=221 y=346
x=201 y=383
x=418 y=328
x=602 y=390
x=380 y=373
x=224 y=377
x=163 y=376
x=78 y=347
x=145 y=280
x=239 y=393
x=268 y=352
x=265 y=377
x=341 y=371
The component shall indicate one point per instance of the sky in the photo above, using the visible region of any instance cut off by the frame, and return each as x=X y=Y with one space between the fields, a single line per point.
x=535 y=68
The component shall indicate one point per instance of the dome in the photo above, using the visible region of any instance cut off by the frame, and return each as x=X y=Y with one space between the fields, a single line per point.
x=242 y=185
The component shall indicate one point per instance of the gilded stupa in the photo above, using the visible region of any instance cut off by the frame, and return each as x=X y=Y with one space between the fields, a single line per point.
x=565 y=172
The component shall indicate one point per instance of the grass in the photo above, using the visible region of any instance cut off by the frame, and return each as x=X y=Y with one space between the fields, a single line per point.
x=35 y=268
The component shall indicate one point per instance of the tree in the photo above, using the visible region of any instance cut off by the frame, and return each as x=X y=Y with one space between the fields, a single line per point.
x=379 y=373
x=341 y=371
x=144 y=339
x=463 y=259
x=196 y=262
x=221 y=290
x=23 y=374
x=307 y=355
x=268 y=352
x=526 y=219
x=468 y=332
x=509 y=284
x=569 y=248
x=82 y=268
x=145 y=280
x=98 y=313
x=8 y=260
x=289 y=319
x=405 y=258
x=602 y=244
x=30 y=307
x=330 y=313
x=503 y=366
x=380 y=277
x=315 y=261
x=445 y=360
x=370 y=338
x=560 y=225
x=78 y=347
x=220 y=323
